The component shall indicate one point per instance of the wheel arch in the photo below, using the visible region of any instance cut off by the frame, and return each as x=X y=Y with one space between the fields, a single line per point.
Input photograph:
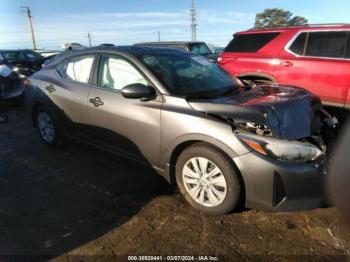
x=186 y=144
x=37 y=104
x=256 y=75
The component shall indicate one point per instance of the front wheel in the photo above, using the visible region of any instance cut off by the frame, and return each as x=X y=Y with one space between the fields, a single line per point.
x=207 y=180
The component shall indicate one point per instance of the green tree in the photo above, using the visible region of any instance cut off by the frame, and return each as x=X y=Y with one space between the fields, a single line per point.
x=275 y=17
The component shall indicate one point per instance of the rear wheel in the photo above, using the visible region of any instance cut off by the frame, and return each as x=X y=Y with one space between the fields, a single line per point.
x=47 y=127
x=207 y=179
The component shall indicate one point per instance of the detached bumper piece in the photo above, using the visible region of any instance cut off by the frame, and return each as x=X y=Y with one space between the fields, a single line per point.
x=279 y=186
x=11 y=87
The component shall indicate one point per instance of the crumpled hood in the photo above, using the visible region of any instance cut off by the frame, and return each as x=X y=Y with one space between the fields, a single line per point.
x=288 y=111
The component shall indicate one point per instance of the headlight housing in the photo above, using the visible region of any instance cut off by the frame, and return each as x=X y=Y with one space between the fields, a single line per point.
x=283 y=150
x=19 y=71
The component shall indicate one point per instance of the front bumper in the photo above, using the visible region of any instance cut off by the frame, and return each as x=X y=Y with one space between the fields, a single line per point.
x=13 y=91
x=272 y=185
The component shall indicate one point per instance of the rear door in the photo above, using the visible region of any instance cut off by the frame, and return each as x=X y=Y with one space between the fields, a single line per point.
x=246 y=54
x=68 y=89
x=347 y=56
x=127 y=126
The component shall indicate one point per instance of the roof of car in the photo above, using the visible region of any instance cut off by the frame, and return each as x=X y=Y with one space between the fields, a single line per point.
x=170 y=43
x=138 y=50
x=14 y=50
x=299 y=27
x=131 y=50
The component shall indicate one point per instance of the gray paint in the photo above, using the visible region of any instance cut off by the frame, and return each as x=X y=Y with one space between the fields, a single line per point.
x=152 y=130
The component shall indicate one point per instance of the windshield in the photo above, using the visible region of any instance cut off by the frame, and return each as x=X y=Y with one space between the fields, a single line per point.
x=190 y=75
x=14 y=56
x=32 y=55
x=199 y=49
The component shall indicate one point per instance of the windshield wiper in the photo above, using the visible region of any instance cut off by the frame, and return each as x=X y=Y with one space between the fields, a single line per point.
x=198 y=96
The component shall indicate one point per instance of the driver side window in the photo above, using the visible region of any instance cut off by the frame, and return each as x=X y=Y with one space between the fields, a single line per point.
x=116 y=73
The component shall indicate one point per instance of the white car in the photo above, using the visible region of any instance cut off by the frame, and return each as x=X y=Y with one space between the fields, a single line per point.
x=73 y=46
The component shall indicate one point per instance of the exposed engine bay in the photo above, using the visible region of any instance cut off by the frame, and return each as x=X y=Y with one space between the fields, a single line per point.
x=321 y=138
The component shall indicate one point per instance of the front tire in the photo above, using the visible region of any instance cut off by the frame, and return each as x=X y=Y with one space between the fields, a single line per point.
x=208 y=180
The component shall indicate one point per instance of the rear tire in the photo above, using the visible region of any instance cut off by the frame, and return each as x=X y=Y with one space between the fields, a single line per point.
x=47 y=127
x=208 y=180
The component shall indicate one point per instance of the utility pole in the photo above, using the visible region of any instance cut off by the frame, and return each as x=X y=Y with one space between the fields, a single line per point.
x=158 y=36
x=193 y=14
x=29 y=14
x=89 y=36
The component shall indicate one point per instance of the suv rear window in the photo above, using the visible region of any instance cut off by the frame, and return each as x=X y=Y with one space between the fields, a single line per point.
x=250 y=43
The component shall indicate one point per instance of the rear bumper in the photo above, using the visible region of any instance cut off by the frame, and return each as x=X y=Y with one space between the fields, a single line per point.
x=277 y=186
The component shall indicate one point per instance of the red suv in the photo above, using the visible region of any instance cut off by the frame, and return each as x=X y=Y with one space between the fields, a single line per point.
x=316 y=57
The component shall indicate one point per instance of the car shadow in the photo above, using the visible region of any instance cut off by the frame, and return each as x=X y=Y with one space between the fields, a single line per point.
x=52 y=201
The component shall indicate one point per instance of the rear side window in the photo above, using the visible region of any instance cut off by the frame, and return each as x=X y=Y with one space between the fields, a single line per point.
x=199 y=49
x=326 y=44
x=250 y=43
x=76 y=68
x=298 y=46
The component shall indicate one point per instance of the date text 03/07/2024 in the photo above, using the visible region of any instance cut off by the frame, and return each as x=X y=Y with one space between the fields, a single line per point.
x=173 y=258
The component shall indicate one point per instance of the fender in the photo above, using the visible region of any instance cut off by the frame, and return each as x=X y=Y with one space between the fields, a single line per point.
x=175 y=148
x=35 y=96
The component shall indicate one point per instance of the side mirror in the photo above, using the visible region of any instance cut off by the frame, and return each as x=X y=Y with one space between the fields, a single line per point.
x=138 y=91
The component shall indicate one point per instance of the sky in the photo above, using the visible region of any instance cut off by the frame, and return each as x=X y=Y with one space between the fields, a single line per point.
x=124 y=22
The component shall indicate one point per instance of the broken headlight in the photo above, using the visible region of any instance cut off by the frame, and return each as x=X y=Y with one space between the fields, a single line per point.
x=290 y=151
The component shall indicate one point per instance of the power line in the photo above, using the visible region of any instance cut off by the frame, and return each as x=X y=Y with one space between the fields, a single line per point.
x=29 y=14
x=193 y=14
x=89 y=36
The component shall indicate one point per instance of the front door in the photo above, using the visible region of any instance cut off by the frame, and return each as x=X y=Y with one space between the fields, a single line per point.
x=292 y=68
x=127 y=126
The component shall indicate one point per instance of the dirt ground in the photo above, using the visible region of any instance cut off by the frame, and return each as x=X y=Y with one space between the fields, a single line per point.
x=78 y=204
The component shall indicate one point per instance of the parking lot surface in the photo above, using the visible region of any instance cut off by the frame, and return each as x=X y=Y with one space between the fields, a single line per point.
x=78 y=202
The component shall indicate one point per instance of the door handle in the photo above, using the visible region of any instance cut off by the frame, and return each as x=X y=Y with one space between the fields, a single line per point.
x=50 y=89
x=287 y=63
x=96 y=101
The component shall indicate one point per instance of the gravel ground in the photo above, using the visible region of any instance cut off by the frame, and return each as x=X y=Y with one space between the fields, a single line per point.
x=81 y=204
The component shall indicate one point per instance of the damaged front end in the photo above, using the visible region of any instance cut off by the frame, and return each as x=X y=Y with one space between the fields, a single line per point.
x=311 y=148
x=281 y=122
x=288 y=135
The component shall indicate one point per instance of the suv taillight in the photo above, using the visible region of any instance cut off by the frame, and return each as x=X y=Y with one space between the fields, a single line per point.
x=224 y=60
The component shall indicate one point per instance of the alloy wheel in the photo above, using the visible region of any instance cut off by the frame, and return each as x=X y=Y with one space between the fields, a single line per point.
x=46 y=127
